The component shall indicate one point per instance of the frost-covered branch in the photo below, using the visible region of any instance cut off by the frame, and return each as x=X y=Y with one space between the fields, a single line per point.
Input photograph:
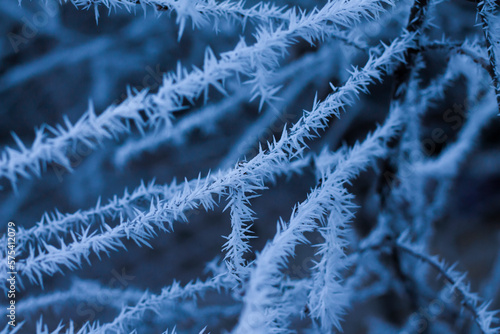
x=59 y=224
x=488 y=12
x=206 y=118
x=200 y=12
x=276 y=111
x=51 y=144
x=471 y=301
x=237 y=244
x=154 y=303
x=80 y=290
x=264 y=166
x=264 y=310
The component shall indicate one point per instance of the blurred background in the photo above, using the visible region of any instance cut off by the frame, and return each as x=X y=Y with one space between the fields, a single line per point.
x=55 y=58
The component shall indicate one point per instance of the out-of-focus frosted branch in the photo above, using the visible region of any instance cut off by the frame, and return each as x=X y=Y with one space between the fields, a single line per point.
x=80 y=290
x=150 y=302
x=74 y=55
x=471 y=301
x=488 y=12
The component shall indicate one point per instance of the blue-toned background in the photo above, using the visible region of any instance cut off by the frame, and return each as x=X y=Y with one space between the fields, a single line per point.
x=55 y=58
